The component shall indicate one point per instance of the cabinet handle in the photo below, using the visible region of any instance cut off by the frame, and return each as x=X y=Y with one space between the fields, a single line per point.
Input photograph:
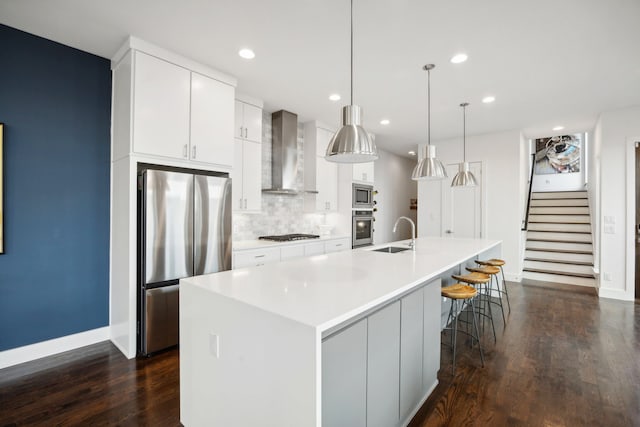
x=259 y=256
x=246 y=132
x=193 y=152
x=245 y=203
x=184 y=151
x=339 y=244
x=240 y=202
x=241 y=131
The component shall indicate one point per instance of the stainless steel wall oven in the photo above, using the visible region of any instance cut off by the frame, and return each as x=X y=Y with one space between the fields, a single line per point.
x=362 y=229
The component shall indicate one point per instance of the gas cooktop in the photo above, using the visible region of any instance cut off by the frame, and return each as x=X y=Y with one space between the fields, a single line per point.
x=289 y=237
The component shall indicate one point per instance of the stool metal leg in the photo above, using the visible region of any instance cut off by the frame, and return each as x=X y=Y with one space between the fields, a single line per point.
x=504 y=289
x=475 y=325
x=504 y=320
x=455 y=338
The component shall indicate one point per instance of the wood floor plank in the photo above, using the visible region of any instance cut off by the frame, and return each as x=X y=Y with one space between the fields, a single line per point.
x=563 y=358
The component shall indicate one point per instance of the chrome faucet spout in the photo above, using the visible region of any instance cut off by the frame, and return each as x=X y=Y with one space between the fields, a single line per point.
x=412 y=245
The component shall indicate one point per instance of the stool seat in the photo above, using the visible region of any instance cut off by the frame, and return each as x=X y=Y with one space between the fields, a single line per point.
x=486 y=269
x=474 y=278
x=459 y=291
x=494 y=262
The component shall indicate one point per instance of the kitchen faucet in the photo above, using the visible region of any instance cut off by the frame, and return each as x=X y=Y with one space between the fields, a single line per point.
x=412 y=245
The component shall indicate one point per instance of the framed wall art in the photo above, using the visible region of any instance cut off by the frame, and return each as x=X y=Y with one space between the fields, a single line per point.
x=558 y=154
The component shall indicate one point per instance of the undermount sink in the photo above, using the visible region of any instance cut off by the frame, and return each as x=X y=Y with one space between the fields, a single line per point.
x=391 y=249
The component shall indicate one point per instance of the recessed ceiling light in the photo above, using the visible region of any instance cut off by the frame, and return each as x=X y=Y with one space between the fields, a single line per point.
x=459 y=58
x=384 y=122
x=558 y=128
x=412 y=153
x=246 y=53
x=334 y=97
x=488 y=99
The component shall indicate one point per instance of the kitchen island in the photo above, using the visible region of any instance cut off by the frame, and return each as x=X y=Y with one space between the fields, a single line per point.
x=349 y=338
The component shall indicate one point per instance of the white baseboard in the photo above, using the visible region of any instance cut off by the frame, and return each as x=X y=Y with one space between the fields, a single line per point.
x=27 y=353
x=618 y=294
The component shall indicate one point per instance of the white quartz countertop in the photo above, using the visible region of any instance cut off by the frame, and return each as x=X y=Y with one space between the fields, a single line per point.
x=259 y=244
x=323 y=291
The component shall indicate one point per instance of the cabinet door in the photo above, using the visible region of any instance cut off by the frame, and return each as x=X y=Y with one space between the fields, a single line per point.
x=431 y=341
x=256 y=257
x=327 y=185
x=252 y=175
x=211 y=120
x=344 y=377
x=316 y=248
x=323 y=137
x=252 y=123
x=238 y=120
x=411 y=352
x=161 y=107
x=363 y=172
x=337 y=245
x=236 y=175
x=383 y=372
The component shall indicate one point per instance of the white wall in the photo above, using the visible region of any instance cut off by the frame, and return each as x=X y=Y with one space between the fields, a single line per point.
x=593 y=189
x=503 y=194
x=614 y=133
x=395 y=189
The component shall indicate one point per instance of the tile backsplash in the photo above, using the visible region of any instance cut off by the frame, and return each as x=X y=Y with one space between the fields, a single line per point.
x=280 y=214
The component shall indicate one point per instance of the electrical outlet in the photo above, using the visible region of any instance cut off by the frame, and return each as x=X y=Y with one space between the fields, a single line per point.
x=214 y=345
x=607 y=277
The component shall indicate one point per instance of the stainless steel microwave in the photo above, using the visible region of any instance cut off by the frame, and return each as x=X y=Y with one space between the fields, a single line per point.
x=362 y=196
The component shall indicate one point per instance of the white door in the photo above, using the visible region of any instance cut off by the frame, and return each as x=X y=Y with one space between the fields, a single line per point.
x=462 y=206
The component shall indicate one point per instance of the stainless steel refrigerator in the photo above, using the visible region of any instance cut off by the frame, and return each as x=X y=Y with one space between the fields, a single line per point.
x=184 y=223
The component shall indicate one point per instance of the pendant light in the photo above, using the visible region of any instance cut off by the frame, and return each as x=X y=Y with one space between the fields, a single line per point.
x=464 y=177
x=351 y=143
x=429 y=167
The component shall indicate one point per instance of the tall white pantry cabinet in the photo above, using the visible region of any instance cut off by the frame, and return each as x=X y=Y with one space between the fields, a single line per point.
x=166 y=110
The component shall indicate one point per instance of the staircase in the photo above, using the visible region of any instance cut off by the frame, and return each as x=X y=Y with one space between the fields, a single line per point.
x=559 y=245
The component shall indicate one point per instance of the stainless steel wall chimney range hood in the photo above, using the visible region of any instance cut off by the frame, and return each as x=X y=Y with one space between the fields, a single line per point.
x=284 y=153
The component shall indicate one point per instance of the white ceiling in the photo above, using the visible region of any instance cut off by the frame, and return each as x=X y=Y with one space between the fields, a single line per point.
x=548 y=62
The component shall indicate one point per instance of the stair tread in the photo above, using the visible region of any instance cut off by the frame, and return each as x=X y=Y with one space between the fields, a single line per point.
x=561 y=231
x=556 y=261
x=558 y=241
x=559 y=273
x=563 y=251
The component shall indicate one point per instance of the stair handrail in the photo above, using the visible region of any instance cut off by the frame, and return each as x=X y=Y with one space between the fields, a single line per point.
x=525 y=223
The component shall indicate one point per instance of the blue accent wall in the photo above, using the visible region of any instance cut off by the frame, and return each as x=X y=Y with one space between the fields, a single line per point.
x=55 y=103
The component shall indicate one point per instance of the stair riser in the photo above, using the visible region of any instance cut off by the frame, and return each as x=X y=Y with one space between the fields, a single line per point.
x=558 y=256
x=579 y=247
x=551 y=210
x=573 y=219
x=565 y=237
x=580 y=228
x=560 y=195
x=560 y=202
x=564 y=268
x=555 y=278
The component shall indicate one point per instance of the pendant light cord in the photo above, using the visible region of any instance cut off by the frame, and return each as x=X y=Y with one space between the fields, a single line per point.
x=428 y=108
x=464 y=133
x=351 y=52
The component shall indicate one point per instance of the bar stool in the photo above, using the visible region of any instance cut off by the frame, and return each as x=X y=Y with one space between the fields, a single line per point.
x=497 y=262
x=480 y=280
x=493 y=273
x=457 y=293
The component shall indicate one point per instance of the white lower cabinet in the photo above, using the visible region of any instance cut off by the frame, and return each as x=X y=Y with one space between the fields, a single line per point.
x=383 y=375
x=256 y=257
x=344 y=377
x=337 y=245
x=431 y=339
x=291 y=252
x=314 y=249
x=398 y=347
x=411 y=336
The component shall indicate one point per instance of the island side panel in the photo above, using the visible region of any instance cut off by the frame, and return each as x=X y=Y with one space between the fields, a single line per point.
x=243 y=366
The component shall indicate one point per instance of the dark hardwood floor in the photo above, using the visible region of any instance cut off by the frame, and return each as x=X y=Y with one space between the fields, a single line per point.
x=565 y=358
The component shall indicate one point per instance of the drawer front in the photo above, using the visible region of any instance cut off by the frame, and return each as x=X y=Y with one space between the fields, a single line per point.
x=314 y=248
x=337 y=245
x=256 y=257
x=290 y=252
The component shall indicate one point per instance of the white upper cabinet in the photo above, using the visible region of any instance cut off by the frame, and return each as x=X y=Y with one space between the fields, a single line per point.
x=211 y=118
x=248 y=121
x=161 y=107
x=247 y=176
x=181 y=114
x=363 y=172
x=320 y=176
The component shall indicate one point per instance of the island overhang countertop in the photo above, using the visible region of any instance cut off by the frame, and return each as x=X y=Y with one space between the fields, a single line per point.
x=323 y=291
